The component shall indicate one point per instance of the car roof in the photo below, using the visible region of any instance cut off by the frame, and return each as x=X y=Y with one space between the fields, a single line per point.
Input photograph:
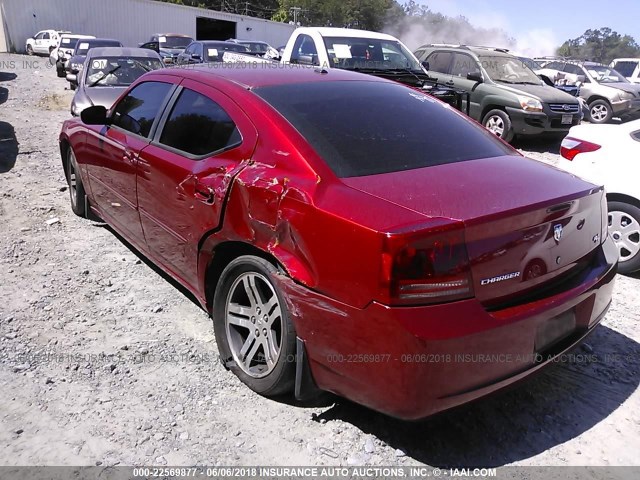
x=626 y=59
x=345 y=32
x=171 y=35
x=91 y=41
x=476 y=50
x=122 y=52
x=249 y=77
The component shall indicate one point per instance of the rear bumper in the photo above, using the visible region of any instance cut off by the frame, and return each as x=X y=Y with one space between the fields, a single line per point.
x=413 y=362
x=535 y=123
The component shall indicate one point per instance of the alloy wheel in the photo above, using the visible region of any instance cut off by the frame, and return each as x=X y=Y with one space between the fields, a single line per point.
x=599 y=113
x=495 y=125
x=254 y=324
x=625 y=231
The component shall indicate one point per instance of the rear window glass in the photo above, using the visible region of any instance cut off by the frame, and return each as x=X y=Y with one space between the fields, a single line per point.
x=84 y=47
x=366 y=128
x=626 y=68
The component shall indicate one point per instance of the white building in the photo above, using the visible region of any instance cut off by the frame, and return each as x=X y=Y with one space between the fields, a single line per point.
x=130 y=21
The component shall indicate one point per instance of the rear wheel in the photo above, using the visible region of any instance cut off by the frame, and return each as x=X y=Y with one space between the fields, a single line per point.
x=77 y=194
x=600 y=111
x=253 y=330
x=499 y=123
x=624 y=228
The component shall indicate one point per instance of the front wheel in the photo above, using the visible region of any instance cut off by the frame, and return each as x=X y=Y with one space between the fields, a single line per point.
x=76 y=188
x=499 y=123
x=254 y=333
x=624 y=228
x=600 y=111
x=29 y=50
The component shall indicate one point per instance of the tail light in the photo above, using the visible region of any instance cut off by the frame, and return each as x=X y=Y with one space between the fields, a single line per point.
x=571 y=147
x=424 y=268
x=604 y=210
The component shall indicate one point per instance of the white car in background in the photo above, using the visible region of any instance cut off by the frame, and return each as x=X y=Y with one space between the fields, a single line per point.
x=609 y=155
x=628 y=67
x=43 y=42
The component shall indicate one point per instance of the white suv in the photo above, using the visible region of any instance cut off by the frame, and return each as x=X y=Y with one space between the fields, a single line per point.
x=43 y=42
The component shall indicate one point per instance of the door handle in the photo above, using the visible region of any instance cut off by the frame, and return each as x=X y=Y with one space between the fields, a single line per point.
x=129 y=156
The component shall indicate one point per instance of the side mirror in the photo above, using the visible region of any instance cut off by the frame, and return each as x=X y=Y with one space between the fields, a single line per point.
x=475 y=76
x=72 y=78
x=426 y=65
x=95 y=115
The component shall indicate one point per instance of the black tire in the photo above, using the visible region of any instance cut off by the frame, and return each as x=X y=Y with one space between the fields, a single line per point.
x=77 y=193
x=29 y=50
x=627 y=239
x=499 y=123
x=247 y=328
x=60 y=71
x=600 y=111
x=72 y=86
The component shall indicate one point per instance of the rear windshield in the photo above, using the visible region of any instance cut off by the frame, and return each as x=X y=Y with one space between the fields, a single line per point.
x=83 y=46
x=626 y=67
x=366 y=128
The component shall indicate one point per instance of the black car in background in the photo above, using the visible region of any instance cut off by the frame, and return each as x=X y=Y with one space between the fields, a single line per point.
x=208 y=51
x=76 y=62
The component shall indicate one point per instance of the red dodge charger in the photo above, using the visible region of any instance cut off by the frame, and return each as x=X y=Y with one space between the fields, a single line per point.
x=347 y=233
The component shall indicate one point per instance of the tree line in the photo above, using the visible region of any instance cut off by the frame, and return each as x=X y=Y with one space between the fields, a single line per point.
x=600 y=45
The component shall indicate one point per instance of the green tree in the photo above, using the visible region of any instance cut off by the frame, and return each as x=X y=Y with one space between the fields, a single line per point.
x=600 y=45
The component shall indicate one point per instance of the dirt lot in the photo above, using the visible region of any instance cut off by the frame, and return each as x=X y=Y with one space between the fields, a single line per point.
x=104 y=360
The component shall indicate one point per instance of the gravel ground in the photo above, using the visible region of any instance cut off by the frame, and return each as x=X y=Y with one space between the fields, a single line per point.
x=104 y=360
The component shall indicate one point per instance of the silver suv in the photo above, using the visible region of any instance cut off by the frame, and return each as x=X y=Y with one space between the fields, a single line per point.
x=607 y=93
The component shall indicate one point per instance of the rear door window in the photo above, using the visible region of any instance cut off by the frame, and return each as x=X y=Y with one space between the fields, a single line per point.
x=199 y=126
x=137 y=112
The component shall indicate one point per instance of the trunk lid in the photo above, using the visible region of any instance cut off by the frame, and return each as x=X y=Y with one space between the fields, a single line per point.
x=526 y=223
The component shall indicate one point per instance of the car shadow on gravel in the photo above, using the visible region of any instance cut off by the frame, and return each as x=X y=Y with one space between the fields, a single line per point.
x=554 y=407
x=7 y=76
x=4 y=95
x=152 y=265
x=8 y=146
x=539 y=144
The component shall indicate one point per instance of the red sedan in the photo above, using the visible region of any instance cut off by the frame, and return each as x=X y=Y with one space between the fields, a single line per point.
x=347 y=233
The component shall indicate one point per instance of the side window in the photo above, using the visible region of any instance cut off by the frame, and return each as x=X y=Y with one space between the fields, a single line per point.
x=463 y=65
x=198 y=50
x=554 y=65
x=46 y=36
x=138 y=110
x=573 y=69
x=39 y=36
x=636 y=136
x=439 y=62
x=199 y=126
x=304 y=51
x=419 y=53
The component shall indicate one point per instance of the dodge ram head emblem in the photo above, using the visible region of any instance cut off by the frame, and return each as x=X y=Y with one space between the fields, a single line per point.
x=557 y=233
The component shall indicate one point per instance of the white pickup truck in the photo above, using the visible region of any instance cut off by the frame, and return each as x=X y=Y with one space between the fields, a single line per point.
x=362 y=51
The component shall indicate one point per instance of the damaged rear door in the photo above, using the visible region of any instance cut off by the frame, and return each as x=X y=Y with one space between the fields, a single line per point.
x=203 y=142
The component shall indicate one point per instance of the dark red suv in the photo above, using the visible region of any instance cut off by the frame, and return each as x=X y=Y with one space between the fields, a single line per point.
x=347 y=232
